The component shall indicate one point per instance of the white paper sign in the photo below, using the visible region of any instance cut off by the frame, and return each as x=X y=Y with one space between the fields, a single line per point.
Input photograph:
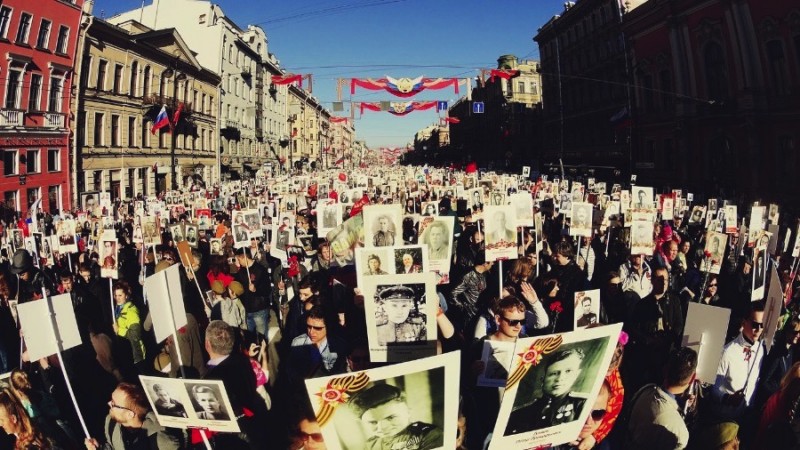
x=704 y=333
x=164 y=291
x=37 y=326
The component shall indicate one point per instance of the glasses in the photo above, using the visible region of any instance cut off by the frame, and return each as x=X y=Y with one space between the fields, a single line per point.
x=113 y=405
x=312 y=327
x=598 y=414
x=513 y=323
x=316 y=437
x=756 y=325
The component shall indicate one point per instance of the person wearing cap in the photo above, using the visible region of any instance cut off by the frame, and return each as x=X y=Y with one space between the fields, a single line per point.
x=398 y=316
x=387 y=420
x=230 y=309
x=31 y=279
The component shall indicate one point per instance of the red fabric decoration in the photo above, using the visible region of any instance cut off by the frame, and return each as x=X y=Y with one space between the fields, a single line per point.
x=359 y=205
x=452 y=120
x=335 y=119
x=504 y=74
x=343 y=177
x=399 y=108
x=287 y=79
x=472 y=167
x=403 y=87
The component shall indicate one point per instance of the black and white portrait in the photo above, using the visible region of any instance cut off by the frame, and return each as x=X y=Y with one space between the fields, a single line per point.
x=401 y=314
x=581 y=220
x=382 y=225
x=406 y=406
x=553 y=382
x=437 y=234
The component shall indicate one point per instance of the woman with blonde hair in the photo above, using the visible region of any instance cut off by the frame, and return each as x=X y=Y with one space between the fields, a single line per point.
x=15 y=422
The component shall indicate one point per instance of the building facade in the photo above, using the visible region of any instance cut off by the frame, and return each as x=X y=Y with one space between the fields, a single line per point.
x=500 y=121
x=238 y=56
x=275 y=112
x=128 y=73
x=585 y=78
x=309 y=125
x=38 y=42
x=718 y=84
x=342 y=138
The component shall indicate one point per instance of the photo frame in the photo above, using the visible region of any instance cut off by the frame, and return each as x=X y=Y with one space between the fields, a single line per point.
x=186 y=403
x=421 y=387
x=401 y=316
x=383 y=225
x=500 y=232
x=520 y=423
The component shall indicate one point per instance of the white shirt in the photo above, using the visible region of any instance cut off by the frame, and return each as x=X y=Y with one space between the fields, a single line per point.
x=738 y=359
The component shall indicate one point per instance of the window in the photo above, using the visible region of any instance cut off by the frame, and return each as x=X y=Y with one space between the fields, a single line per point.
x=715 y=71
x=777 y=67
x=143 y=179
x=146 y=82
x=145 y=133
x=63 y=39
x=24 y=28
x=534 y=88
x=54 y=101
x=44 y=34
x=202 y=139
x=5 y=19
x=32 y=161
x=521 y=87
x=53 y=160
x=117 y=79
x=98 y=129
x=131 y=131
x=115 y=131
x=162 y=137
x=54 y=198
x=33 y=195
x=665 y=82
x=102 y=66
x=10 y=162
x=10 y=198
x=35 y=92
x=13 y=88
x=133 y=87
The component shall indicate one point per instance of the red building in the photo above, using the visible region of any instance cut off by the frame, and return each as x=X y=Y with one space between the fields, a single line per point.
x=717 y=102
x=37 y=42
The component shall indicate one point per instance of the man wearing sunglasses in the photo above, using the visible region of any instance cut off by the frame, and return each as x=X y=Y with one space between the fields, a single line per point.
x=132 y=424
x=740 y=366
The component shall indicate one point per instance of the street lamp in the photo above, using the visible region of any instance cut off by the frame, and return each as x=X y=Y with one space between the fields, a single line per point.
x=176 y=76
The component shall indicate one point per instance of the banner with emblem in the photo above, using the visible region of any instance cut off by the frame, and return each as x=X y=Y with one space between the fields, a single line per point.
x=401 y=316
x=552 y=387
x=420 y=392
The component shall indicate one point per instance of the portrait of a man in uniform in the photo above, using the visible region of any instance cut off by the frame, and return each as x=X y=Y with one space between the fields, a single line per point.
x=387 y=421
x=398 y=314
x=558 y=404
x=384 y=232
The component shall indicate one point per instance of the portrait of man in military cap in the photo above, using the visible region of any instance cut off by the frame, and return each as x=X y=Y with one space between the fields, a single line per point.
x=558 y=404
x=387 y=418
x=398 y=314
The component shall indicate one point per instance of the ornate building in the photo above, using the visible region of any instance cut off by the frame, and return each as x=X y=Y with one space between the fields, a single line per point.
x=128 y=73
x=717 y=96
x=38 y=41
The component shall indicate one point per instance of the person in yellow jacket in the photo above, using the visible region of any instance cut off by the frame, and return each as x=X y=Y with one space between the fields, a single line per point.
x=127 y=322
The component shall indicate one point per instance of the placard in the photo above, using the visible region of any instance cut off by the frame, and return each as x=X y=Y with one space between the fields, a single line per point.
x=185 y=403
x=704 y=333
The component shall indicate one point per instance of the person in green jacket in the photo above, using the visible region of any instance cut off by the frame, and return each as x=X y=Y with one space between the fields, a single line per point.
x=127 y=322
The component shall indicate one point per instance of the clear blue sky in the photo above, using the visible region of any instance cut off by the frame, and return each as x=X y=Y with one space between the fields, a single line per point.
x=374 y=38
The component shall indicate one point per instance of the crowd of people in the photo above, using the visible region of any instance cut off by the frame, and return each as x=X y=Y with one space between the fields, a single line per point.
x=264 y=324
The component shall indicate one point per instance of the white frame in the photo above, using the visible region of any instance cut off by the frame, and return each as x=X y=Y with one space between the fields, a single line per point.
x=15 y=159
x=65 y=42
x=46 y=45
x=4 y=32
x=27 y=36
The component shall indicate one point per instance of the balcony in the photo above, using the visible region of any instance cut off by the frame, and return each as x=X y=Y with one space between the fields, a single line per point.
x=54 y=120
x=11 y=117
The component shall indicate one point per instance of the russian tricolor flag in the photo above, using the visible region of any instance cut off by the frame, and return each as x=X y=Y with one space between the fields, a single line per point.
x=162 y=120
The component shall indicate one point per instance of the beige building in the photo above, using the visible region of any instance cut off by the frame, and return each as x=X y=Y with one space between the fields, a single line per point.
x=128 y=73
x=343 y=135
x=309 y=129
x=526 y=87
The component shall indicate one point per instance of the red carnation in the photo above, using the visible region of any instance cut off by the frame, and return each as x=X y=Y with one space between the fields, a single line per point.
x=556 y=307
x=707 y=254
